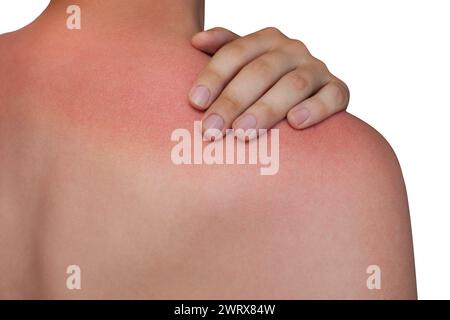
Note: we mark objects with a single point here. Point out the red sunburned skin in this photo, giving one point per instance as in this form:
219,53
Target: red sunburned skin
137,93
87,178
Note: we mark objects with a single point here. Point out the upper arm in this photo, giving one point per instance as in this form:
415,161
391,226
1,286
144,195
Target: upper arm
378,216
348,214
372,201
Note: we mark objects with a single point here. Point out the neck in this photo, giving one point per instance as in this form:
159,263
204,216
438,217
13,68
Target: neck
179,17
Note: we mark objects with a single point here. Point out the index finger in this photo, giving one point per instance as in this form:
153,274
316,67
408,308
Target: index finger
227,62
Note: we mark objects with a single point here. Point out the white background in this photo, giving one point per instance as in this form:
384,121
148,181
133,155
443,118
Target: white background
394,55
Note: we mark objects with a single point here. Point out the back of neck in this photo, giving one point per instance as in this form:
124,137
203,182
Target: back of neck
115,17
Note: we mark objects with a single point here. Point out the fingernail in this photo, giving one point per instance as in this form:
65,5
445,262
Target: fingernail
300,116
214,121
200,96
245,128
247,122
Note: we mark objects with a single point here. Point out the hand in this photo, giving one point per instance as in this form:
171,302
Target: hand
253,82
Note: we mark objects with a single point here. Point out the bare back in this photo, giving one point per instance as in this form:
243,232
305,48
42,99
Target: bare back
87,179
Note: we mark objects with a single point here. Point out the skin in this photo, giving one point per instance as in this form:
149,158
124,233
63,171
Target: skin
87,179
286,81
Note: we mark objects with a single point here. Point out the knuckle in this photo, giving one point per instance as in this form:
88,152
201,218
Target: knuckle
272,31
297,50
296,45
271,113
321,109
262,67
298,81
342,93
320,65
211,75
233,50
229,104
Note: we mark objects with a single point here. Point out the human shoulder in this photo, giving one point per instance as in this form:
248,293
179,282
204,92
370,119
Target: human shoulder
346,195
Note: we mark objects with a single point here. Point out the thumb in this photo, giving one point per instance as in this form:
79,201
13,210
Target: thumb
212,40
